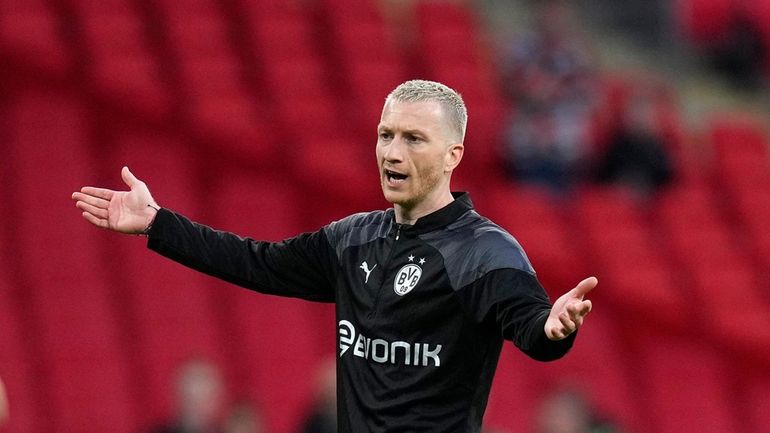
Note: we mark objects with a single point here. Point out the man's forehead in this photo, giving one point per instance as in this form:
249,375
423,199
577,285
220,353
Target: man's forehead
412,115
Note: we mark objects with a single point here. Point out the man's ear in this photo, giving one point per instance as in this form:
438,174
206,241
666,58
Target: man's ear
454,154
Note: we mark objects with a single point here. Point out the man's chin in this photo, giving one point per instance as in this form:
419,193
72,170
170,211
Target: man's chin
395,197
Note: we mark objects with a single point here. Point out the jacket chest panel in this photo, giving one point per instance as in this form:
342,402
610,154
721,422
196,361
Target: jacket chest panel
393,280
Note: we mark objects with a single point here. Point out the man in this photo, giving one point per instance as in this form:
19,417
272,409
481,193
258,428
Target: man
199,399
425,292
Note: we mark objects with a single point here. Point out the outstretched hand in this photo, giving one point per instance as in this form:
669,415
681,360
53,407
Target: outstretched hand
569,311
121,211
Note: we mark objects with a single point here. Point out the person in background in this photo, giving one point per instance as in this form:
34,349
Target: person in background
243,417
740,55
637,155
567,411
551,82
323,418
199,399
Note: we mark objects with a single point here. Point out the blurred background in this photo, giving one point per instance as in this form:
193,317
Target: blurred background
626,140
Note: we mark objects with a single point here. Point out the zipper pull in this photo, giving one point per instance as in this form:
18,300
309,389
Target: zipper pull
398,231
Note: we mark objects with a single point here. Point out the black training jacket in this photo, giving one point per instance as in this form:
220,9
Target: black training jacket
422,310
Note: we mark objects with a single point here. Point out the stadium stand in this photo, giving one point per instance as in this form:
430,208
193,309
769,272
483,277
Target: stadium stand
120,62
258,117
69,297
666,368
29,35
170,314
15,366
296,344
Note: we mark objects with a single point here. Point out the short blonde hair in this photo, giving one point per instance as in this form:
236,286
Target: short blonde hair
424,90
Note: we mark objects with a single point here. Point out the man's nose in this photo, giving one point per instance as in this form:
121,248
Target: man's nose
394,151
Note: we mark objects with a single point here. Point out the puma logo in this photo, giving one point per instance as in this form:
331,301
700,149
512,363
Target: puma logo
366,269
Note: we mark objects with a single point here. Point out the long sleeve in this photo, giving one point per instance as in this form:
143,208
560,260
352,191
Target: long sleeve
513,302
302,267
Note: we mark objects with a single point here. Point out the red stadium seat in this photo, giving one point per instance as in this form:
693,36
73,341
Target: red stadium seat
752,208
172,309
70,287
15,361
370,83
697,233
532,216
756,399
742,152
597,366
731,298
600,366
29,32
282,37
688,206
299,78
198,36
621,243
190,8
269,331
684,386
121,66
705,21
739,134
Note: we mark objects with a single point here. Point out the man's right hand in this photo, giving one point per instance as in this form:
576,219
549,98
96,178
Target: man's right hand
121,211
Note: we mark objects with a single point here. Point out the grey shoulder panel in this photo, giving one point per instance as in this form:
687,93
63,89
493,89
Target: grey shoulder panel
357,229
473,246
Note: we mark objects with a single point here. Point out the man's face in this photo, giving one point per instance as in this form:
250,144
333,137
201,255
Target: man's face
412,145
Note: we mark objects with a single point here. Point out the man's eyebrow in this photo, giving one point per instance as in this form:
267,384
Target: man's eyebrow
414,132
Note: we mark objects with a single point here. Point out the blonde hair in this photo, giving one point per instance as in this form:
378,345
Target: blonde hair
422,90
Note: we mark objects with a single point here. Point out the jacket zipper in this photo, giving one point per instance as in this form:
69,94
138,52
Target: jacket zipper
376,305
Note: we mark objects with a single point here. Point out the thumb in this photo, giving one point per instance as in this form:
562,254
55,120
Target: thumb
129,177
584,287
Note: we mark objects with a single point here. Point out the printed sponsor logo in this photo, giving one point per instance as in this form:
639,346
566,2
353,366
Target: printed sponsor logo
384,352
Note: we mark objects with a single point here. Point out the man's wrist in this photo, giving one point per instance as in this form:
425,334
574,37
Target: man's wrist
153,209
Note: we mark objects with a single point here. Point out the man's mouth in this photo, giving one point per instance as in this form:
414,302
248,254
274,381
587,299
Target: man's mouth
394,176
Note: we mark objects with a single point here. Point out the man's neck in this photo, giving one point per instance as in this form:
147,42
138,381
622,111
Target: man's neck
410,215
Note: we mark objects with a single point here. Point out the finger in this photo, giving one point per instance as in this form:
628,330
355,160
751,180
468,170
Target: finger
569,325
96,211
98,192
557,334
578,309
99,222
586,307
129,178
92,200
585,286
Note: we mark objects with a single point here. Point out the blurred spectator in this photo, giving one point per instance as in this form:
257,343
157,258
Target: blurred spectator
244,417
3,404
566,411
550,78
323,418
740,54
199,396
637,155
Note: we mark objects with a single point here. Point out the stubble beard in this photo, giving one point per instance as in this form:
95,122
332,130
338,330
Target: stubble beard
429,180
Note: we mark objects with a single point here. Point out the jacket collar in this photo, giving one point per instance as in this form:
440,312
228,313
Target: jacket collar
440,218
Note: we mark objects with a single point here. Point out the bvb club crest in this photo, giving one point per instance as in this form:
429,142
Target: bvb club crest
407,278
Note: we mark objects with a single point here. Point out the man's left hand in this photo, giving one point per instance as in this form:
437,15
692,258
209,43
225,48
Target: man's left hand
569,311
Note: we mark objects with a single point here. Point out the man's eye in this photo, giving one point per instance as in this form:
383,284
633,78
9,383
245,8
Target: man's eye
386,135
